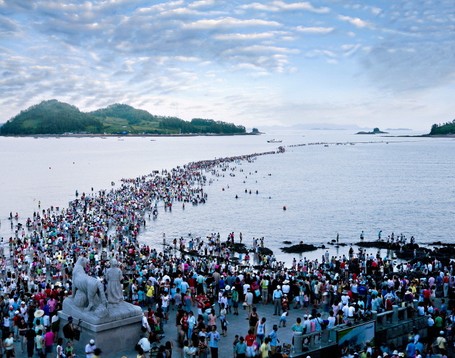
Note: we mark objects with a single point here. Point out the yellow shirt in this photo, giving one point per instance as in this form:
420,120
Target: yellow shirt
264,349
150,290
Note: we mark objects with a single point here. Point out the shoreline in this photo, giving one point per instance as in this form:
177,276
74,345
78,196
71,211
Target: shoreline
145,135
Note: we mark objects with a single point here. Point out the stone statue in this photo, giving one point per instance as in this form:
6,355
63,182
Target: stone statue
114,279
88,292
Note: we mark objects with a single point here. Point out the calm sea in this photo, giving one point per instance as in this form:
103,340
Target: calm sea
350,184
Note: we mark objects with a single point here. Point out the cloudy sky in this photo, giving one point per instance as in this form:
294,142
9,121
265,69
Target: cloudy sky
367,63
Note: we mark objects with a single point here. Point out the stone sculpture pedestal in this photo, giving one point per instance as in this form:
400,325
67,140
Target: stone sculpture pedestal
119,330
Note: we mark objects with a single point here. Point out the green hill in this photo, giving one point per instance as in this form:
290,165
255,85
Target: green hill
443,129
51,117
54,117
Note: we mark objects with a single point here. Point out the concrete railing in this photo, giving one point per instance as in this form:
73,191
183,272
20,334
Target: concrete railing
312,341
396,315
401,319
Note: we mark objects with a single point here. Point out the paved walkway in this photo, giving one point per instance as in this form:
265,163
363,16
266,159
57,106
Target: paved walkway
237,325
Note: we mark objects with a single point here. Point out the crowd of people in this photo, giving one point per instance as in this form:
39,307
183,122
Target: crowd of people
205,290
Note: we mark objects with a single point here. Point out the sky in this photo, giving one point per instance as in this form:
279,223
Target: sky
386,64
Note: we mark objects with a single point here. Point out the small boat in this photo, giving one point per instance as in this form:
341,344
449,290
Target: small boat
274,141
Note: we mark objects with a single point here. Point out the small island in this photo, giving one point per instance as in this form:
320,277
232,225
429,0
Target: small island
445,129
54,118
374,131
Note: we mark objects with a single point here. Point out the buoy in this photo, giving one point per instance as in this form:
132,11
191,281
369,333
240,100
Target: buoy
284,207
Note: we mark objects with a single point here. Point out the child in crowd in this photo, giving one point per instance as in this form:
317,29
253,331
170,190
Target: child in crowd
283,319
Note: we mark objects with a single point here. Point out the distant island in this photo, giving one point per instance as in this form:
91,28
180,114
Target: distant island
57,118
447,128
375,131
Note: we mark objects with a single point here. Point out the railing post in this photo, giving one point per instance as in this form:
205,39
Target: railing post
298,344
395,318
405,312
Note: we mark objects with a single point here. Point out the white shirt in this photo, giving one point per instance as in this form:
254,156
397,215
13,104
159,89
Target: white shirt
331,320
145,344
89,350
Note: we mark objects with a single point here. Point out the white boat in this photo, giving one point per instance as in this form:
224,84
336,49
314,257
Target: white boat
274,141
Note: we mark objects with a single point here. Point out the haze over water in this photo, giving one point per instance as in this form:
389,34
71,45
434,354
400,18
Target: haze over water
400,185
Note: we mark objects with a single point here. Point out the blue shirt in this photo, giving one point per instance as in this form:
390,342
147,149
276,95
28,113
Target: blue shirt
274,338
240,348
214,337
277,294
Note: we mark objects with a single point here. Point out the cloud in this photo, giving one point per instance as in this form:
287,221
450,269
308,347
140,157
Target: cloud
248,36
315,30
201,3
357,22
276,6
227,23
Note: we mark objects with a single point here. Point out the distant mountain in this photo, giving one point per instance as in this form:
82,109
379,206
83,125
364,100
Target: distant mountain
53,118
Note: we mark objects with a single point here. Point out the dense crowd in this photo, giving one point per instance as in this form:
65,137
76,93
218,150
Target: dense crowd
205,289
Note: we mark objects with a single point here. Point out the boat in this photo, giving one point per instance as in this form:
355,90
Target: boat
274,141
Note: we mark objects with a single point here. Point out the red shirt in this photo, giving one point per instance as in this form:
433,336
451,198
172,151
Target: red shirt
250,339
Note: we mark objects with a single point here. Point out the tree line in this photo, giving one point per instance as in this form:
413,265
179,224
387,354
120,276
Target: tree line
441,129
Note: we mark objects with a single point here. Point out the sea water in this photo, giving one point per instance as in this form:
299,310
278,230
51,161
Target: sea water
328,182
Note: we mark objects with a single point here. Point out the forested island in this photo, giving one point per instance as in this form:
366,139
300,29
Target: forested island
374,131
443,129
57,118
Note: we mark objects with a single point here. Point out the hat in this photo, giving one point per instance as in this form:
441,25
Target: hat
285,282
278,287
92,342
227,288
395,352
17,312
22,303
232,288
39,313
401,354
441,333
305,316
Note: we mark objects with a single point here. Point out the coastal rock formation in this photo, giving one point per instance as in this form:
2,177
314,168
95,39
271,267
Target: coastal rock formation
296,249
